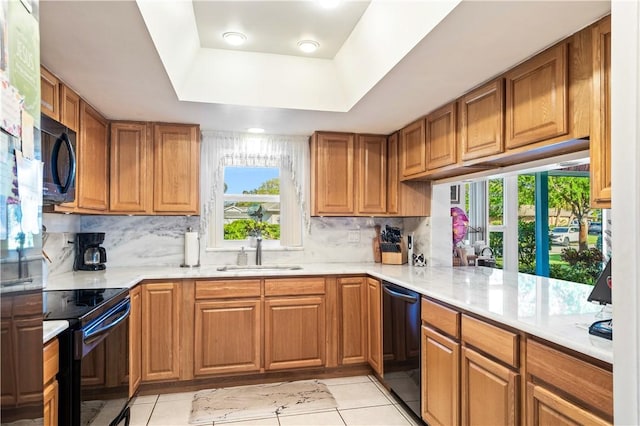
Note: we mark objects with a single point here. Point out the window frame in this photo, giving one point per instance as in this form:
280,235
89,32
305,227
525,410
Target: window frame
288,209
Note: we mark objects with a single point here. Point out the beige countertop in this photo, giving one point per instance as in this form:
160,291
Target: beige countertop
51,329
550,309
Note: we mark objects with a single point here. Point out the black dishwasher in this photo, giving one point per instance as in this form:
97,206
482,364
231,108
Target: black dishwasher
401,343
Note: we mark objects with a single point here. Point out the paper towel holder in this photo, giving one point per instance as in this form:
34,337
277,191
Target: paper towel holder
184,265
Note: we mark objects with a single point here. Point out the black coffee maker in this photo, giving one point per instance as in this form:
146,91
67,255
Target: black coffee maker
89,255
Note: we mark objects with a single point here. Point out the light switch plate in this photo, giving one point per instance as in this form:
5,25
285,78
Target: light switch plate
353,236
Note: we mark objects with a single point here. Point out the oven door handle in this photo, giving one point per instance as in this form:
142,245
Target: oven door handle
394,293
110,320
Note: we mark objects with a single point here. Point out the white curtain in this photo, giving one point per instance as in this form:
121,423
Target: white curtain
289,153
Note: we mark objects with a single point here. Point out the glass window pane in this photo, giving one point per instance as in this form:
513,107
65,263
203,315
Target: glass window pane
496,242
252,180
240,221
496,202
247,217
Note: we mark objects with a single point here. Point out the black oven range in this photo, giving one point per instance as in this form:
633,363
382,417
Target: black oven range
94,355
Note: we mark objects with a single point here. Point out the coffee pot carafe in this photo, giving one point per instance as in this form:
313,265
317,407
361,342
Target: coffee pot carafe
89,255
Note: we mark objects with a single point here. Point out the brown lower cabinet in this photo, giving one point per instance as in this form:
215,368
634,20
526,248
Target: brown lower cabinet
50,359
440,360
227,336
489,391
545,407
565,389
352,308
206,328
161,331
374,325
294,332
475,372
135,340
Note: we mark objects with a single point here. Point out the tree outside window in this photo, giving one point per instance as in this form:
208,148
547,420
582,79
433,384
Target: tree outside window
577,257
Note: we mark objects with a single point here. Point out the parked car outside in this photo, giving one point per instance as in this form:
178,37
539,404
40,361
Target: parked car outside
564,235
595,228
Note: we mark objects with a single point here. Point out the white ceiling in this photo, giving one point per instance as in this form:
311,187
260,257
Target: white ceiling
277,26
104,50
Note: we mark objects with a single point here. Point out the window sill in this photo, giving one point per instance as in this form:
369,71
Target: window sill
251,249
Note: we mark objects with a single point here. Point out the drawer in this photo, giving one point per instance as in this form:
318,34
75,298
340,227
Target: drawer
225,289
50,361
586,382
293,286
495,341
441,317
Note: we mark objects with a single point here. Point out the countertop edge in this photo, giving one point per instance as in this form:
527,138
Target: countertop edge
51,329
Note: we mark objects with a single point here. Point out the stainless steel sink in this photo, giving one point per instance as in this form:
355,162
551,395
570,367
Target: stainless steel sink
260,268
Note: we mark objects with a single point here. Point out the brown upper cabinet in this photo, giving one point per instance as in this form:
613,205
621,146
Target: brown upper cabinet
600,143
441,137
537,98
92,178
58,101
176,172
404,198
131,168
49,94
371,174
136,168
539,109
358,175
154,168
332,174
69,108
482,121
413,149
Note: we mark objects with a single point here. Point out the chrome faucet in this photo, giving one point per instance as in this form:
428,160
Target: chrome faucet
259,249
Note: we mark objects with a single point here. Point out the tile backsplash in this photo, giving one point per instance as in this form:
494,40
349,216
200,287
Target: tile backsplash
159,240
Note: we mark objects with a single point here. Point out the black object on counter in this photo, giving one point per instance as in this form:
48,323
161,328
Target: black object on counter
602,328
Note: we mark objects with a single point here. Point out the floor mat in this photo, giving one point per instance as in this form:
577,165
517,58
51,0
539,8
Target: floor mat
256,401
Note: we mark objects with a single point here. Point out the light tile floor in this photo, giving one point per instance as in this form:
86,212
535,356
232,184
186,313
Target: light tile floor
361,400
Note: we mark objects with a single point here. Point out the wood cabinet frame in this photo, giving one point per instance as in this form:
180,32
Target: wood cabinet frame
600,141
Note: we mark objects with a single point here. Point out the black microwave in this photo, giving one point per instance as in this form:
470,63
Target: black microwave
59,158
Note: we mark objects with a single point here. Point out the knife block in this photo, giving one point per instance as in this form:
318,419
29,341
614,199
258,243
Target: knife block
395,257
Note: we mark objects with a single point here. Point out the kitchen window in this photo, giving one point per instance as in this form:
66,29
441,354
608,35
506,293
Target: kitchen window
249,179
522,208
251,203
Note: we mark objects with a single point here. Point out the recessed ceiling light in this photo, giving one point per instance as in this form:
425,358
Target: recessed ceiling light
308,46
329,4
255,130
234,38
